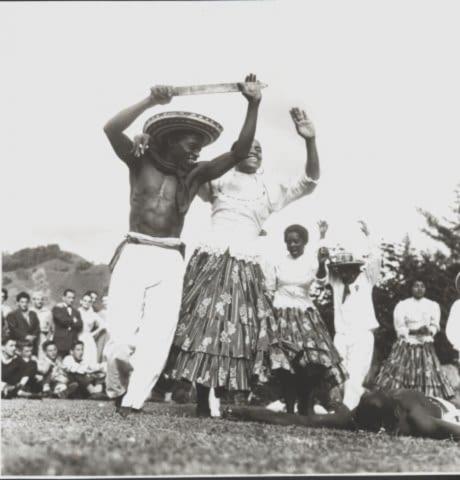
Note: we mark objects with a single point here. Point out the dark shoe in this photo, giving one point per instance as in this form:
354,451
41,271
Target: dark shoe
117,401
23,394
29,395
98,396
124,411
203,412
156,397
71,389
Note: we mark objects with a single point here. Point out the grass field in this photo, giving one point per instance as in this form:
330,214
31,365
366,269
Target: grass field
62,437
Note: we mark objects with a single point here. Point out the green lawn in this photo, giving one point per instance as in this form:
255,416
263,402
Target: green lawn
63,437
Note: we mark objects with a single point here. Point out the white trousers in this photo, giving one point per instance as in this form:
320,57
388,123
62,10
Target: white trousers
356,349
143,310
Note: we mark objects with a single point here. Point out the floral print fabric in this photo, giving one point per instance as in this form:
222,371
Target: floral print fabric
414,367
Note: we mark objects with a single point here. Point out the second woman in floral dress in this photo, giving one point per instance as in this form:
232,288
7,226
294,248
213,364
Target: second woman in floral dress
314,363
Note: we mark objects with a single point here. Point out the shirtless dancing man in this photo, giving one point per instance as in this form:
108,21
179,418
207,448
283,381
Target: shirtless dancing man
398,412
148,268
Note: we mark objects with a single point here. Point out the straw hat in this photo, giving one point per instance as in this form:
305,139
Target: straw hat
165,123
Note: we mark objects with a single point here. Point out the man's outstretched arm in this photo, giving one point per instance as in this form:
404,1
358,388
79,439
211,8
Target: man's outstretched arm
208,171
114,128
341,420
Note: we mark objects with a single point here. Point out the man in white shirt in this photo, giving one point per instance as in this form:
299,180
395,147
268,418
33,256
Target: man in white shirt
453,322
354,315
90,378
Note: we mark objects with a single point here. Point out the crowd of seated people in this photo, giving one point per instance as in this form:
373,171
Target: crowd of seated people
44,352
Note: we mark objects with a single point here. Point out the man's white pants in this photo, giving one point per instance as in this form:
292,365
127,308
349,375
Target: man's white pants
144,302
356,349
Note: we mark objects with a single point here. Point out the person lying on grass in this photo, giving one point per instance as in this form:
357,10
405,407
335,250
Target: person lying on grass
398,412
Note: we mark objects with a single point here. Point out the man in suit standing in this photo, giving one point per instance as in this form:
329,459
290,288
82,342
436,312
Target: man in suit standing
67,323
23,323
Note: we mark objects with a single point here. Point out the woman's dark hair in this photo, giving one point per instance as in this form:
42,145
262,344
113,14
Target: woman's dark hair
301,231
22,295
5,292
412,281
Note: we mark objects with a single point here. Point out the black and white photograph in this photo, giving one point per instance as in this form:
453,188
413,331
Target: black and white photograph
230,238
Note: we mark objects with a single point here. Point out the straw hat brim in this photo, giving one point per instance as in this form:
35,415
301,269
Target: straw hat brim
347,264
165,123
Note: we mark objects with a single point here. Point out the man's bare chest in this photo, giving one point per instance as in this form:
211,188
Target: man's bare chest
151,184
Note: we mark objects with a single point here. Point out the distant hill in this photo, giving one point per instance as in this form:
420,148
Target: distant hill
51,270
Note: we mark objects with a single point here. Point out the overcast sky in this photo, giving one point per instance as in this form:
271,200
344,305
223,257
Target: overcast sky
379,79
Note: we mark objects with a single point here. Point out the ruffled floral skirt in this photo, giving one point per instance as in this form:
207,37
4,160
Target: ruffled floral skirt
221,339
414,367
301,335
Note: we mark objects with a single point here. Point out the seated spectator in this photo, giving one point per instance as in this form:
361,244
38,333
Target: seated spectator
11,368
30,385
90,378
55,379
23,323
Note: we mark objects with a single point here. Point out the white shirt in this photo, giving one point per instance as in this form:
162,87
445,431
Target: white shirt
412,314
453,325
6,310
292,279
70,365
90,319
357,312
242,202
45,318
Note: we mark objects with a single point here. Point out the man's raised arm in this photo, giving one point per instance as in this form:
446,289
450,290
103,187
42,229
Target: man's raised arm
207,171
114,128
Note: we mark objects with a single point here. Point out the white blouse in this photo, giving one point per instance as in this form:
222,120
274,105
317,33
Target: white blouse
90,319
292,280
412,314
242,202
453,325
